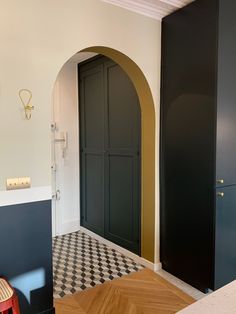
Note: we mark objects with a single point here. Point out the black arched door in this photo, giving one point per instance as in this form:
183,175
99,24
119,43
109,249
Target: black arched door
110,122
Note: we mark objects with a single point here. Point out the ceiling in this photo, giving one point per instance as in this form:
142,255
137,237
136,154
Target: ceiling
156,9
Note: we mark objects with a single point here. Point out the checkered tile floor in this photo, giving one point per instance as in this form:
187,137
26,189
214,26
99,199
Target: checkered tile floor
80,262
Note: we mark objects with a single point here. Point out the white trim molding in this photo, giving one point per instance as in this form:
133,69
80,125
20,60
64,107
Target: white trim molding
136,258
156,9
35,194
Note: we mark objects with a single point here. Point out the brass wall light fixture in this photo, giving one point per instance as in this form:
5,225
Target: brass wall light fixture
25,97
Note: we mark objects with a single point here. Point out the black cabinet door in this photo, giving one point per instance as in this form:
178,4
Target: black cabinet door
122,206
226,102
225,252
189,63
92,148
110,153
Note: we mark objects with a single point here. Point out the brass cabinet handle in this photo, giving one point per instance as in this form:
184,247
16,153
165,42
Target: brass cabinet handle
221,181
221,194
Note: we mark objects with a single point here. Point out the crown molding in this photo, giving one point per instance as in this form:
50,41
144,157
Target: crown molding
156,9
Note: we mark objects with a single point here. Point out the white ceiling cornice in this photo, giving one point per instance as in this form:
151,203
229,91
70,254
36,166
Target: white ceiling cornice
156,9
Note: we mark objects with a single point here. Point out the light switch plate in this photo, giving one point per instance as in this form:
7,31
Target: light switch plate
18,183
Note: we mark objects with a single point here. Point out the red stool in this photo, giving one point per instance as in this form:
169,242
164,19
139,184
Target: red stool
8,298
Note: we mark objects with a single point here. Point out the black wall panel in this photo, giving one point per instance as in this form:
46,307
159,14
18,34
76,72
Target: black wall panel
188,120
26,254
198,143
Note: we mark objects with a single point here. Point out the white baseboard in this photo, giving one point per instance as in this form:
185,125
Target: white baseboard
121,250
157,266
70,226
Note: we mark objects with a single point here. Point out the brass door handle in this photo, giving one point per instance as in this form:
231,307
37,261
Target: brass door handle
221,181
221,194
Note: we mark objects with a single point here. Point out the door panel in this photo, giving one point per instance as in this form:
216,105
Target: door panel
122,109
92,149
92,103
122,206
110,140
225,253
122,200
93,193
121,210
120,197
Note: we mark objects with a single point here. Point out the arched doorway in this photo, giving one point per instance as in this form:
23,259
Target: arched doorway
147,147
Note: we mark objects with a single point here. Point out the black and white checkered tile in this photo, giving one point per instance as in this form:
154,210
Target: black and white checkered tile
80,262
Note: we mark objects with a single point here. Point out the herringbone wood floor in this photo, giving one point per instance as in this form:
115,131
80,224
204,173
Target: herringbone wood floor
142,292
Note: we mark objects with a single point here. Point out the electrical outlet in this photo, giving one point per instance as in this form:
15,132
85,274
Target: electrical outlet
18,183
12,184
24,183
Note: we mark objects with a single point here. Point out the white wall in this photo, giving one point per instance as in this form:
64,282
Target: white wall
65,114
37,37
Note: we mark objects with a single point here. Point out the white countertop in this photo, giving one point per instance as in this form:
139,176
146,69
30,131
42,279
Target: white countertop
222,301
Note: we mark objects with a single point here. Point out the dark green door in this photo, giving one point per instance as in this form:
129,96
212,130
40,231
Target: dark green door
92,147
110,153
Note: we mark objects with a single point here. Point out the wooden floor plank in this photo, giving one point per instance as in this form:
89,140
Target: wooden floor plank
143,292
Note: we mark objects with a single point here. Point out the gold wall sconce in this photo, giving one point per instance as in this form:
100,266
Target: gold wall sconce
25,97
